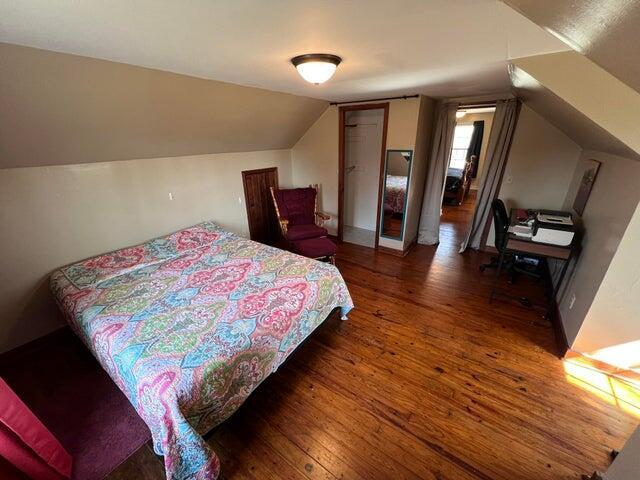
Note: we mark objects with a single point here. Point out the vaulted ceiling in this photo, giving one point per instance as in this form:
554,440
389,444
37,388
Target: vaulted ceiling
65,109
605,31
435,47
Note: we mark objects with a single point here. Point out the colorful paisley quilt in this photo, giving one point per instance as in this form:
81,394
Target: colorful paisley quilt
188,325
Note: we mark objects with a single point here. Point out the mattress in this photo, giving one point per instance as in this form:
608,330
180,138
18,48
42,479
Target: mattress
188,325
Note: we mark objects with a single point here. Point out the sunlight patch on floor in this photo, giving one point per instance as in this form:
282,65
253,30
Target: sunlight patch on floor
611,385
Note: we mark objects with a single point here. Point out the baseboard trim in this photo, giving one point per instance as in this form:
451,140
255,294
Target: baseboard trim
410,247
399,253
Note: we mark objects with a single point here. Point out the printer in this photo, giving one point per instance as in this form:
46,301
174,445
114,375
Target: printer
553,227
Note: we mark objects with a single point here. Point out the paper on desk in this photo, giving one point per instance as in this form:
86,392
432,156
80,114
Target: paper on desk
521,230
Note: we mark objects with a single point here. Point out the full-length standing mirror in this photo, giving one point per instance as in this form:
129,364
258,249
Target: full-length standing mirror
396,184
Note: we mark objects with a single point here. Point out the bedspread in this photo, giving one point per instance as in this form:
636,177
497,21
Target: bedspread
188,325
395,192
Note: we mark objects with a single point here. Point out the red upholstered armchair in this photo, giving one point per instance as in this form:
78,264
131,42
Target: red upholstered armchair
298,215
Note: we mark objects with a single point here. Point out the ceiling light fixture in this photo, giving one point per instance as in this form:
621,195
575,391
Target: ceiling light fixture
460,113
316,68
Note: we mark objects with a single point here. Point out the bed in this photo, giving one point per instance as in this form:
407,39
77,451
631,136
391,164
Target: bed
188,325
395,193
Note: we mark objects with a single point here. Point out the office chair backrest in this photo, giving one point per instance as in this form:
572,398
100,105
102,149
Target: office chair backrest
500,223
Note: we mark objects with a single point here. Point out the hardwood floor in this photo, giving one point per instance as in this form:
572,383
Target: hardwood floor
426,380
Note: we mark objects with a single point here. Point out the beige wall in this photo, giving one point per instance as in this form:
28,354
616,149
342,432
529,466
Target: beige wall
66,109
401,135
314,159
611,204
315,156
626,465
53,216
396,164
540,168
613,318
403,121
487,118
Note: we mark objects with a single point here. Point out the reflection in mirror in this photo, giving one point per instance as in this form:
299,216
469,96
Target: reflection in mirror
396,183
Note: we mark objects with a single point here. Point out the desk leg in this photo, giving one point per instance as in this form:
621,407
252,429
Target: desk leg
497,277
555,288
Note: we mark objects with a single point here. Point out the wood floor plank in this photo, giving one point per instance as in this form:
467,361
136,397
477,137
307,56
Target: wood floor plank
425,380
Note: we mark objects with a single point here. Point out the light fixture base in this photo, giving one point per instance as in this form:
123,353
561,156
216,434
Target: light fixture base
316,57
316,68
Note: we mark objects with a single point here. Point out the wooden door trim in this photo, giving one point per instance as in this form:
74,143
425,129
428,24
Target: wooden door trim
341,161
247,173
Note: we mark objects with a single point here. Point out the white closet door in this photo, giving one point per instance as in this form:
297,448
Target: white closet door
362,170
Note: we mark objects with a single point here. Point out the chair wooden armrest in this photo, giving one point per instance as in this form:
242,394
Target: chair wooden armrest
322,217
284,225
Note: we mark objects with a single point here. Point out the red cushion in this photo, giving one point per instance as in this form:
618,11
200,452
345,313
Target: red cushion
301,232
297,205
315,247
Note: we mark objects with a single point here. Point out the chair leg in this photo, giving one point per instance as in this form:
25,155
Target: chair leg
492,264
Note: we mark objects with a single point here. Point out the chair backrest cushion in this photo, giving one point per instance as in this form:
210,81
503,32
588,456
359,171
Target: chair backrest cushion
297,205
500,222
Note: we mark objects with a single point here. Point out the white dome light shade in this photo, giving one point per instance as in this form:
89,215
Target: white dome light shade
316,72
460,113
316,68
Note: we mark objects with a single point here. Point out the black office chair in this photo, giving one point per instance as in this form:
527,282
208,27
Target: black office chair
513,264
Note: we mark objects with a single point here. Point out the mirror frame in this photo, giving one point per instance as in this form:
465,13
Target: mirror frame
406,195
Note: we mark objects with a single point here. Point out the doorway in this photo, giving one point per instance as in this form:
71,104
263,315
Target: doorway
362,146
261,215
464,173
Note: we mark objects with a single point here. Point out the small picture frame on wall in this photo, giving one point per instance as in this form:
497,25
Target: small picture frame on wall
586,184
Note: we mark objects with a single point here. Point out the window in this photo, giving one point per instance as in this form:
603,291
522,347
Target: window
461,140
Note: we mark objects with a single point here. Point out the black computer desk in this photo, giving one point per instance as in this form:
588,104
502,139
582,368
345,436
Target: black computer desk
527,247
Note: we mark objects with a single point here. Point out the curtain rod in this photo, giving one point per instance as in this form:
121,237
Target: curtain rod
478,104
403,97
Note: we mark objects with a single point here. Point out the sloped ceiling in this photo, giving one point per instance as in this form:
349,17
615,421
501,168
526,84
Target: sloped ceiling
440,48
599,96
606,31
576,125
66,109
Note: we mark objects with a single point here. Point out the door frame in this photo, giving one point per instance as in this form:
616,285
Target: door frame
245,174
341,161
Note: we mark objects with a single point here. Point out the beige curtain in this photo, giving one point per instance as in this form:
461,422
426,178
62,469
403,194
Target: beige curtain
502,129
429,230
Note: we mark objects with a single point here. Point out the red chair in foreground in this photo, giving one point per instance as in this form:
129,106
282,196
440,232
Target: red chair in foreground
301,222
27,448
